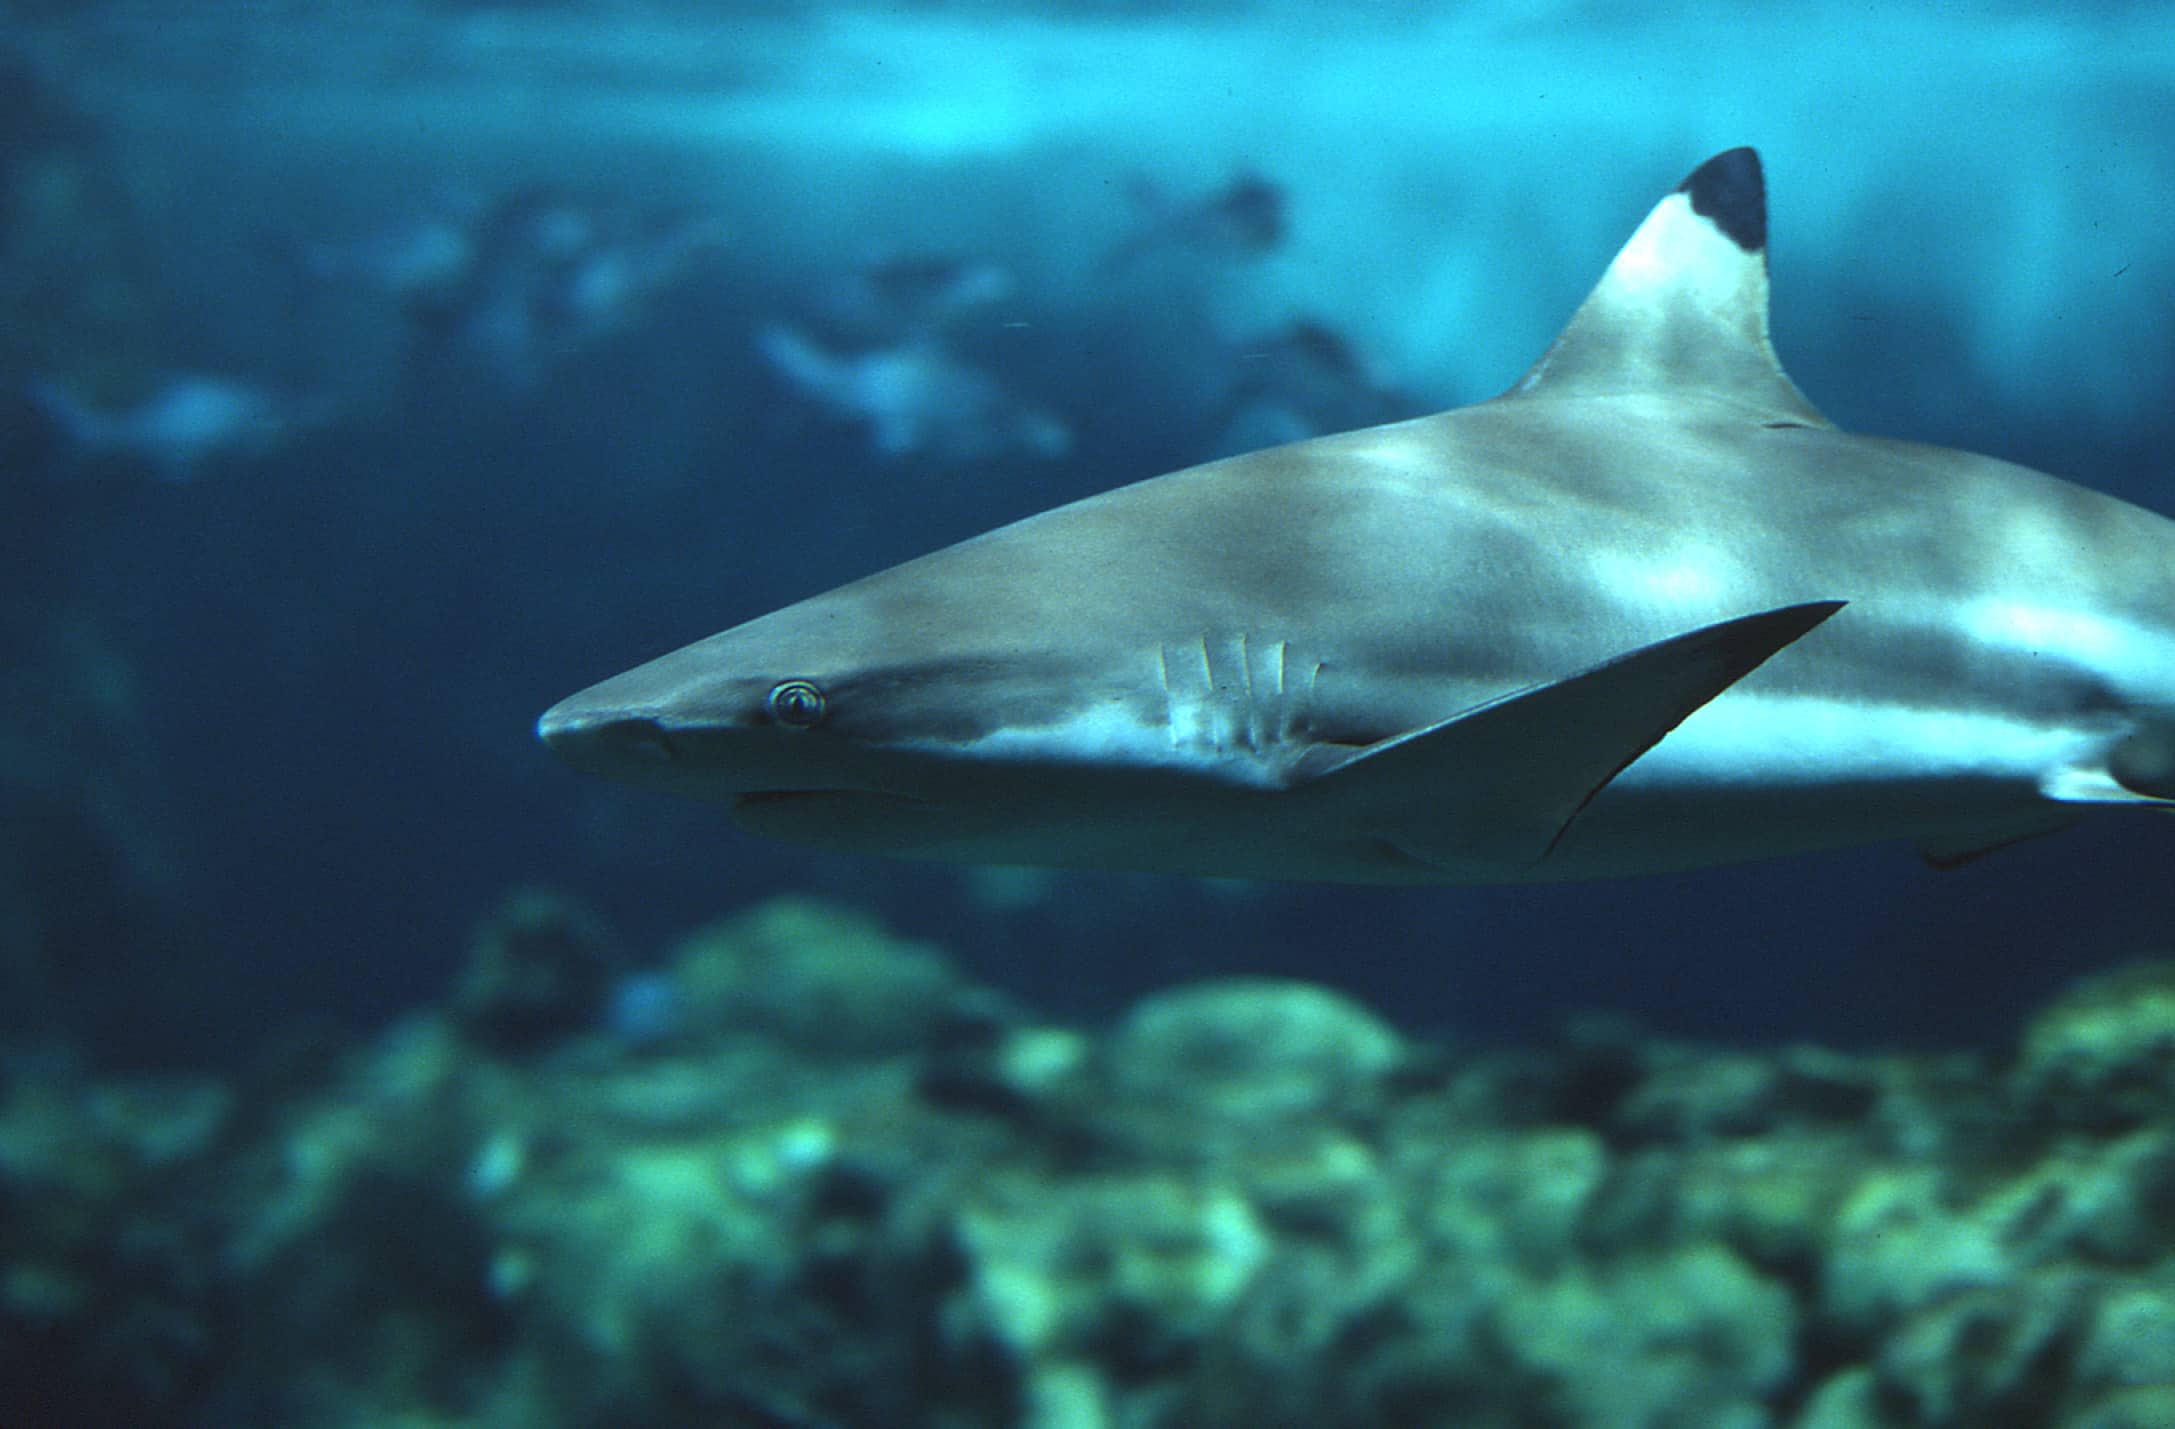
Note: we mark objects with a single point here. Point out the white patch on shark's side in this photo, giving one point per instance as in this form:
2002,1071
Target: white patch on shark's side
1686,573
1108,735
1233,708
2078,636
1770,739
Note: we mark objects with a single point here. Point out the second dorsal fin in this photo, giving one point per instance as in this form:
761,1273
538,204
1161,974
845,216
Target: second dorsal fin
1683,308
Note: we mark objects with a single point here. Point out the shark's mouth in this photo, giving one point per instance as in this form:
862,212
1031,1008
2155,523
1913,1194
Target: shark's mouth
799,808
761,797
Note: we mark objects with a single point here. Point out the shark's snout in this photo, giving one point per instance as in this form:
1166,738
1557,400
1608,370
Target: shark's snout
605,741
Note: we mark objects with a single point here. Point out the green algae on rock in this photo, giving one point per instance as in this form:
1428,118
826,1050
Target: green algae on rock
1254,1050
852,1189
539,970
2102,1056
822,978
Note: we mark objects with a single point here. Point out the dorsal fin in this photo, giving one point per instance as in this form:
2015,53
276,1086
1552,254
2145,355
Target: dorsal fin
1684,306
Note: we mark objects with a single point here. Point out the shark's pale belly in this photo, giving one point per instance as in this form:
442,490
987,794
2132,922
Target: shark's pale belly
1753,776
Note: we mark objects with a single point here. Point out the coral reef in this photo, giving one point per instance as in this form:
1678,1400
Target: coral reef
540,968
840,1186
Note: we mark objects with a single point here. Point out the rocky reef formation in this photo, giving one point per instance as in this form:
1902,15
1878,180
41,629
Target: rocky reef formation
806,1176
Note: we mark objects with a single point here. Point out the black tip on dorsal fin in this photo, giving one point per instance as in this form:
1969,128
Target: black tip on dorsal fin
1682,310
1729,192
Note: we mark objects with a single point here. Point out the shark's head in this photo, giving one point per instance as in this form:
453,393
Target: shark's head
926,710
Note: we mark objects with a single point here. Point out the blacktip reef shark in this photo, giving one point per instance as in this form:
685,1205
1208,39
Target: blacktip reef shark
1647,610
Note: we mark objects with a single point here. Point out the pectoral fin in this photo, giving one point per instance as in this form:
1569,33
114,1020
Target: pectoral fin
1505,780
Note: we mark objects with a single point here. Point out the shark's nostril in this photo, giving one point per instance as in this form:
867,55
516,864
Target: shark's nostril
642,738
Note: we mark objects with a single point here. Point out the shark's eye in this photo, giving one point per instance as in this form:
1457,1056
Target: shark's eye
796,704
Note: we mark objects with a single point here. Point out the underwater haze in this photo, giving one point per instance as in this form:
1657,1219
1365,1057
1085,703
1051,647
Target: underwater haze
374,376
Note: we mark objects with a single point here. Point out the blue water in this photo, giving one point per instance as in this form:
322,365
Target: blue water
332,656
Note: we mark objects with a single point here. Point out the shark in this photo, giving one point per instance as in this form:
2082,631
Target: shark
1647,610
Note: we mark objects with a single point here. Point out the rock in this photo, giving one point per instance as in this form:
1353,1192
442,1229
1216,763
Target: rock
818,977
2102,1057
2145,1407
1991,1356
1907,1238
1900,1244
541,968
1250,1051
1067,1396
1693,1336
1771,1199
1515,1199
1682,1095
109,1303
1685,1097
840,1187
1135,1269
1847,1399
1017,1075
2129,1343
2111,1202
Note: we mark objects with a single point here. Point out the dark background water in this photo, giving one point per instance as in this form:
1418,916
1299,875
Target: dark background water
328,662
